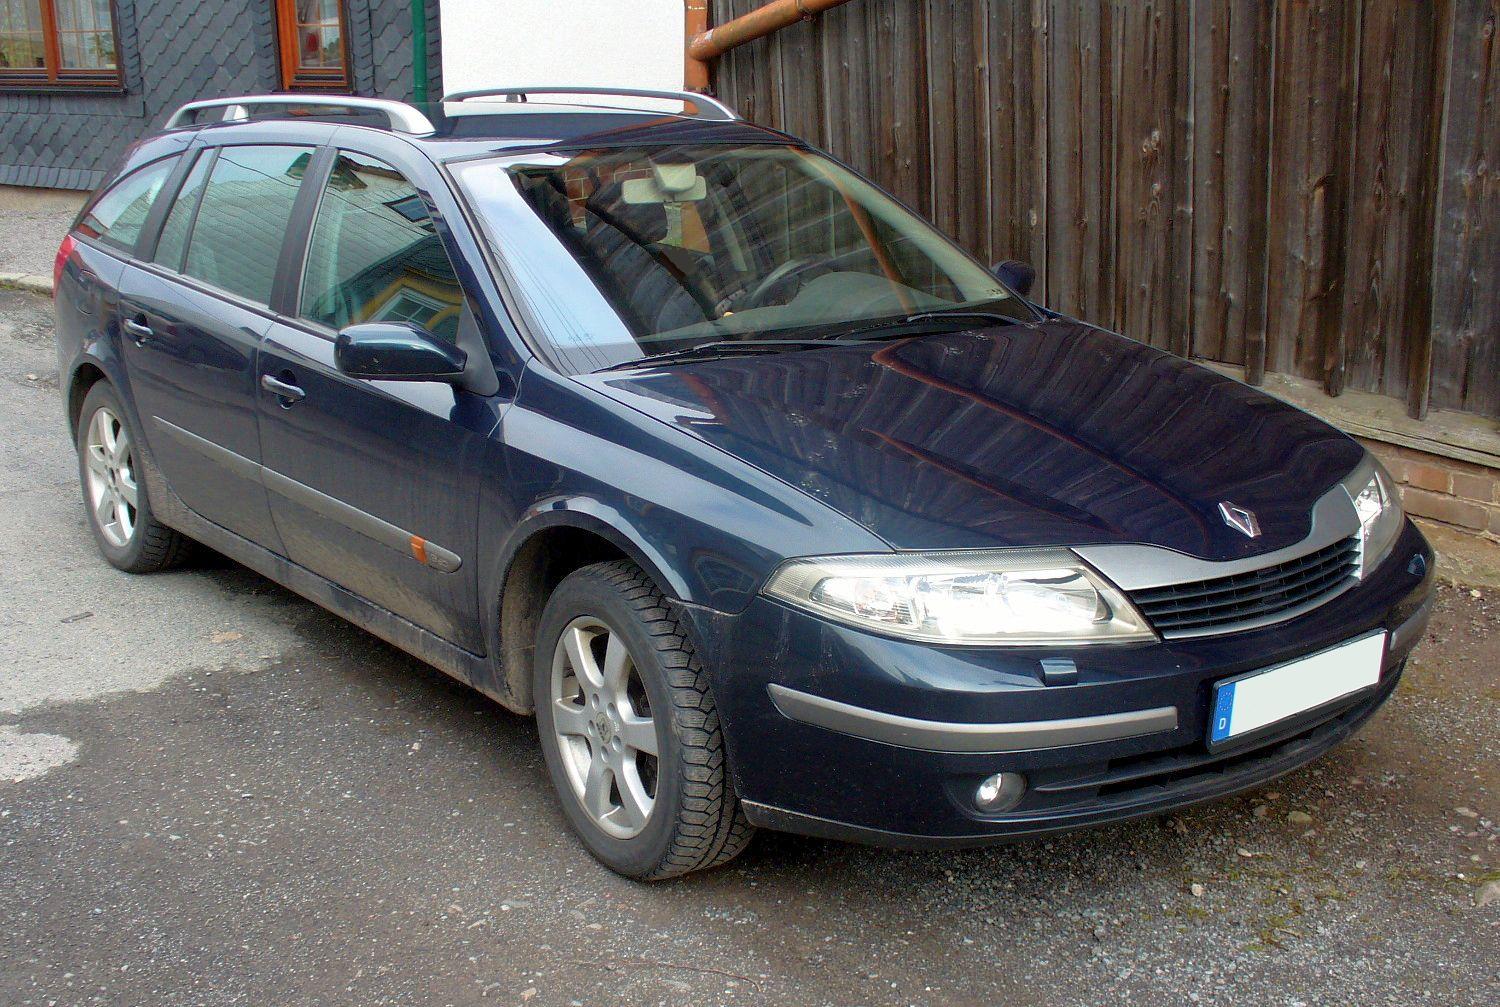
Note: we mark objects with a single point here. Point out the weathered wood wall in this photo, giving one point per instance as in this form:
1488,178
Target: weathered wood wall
1305,186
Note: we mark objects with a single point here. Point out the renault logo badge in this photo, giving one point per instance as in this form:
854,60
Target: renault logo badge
1239,518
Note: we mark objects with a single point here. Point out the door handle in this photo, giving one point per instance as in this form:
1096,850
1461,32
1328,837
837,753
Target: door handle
137,329
288,393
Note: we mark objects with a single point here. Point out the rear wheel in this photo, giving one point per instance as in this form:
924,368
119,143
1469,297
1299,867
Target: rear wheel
629,728
114,495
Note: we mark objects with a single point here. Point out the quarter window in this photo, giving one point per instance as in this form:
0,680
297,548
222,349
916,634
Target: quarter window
242,219
311,34
49,43
117,216
172,244
375,254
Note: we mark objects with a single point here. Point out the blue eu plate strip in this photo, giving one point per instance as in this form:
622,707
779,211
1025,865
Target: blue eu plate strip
1223,712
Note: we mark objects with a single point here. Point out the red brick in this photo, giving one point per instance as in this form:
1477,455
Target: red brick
1428,477
1399,468
1471,487
1495,520
1449,510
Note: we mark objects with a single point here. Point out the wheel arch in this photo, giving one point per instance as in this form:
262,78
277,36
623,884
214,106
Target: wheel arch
85,376
551,541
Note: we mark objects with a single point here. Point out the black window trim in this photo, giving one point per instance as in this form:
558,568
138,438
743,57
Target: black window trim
147,251
144,253
286,288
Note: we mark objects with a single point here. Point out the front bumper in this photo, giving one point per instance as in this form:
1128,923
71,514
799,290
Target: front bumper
839,733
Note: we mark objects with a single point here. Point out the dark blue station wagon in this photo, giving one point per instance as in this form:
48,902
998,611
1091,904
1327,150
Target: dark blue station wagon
773,505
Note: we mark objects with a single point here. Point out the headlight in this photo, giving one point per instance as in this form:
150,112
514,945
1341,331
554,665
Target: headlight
975,598
1379,510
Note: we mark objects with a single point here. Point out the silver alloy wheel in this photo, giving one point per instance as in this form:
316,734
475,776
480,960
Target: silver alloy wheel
110,469
603,726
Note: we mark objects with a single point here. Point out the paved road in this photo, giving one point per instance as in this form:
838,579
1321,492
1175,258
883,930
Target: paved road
226,796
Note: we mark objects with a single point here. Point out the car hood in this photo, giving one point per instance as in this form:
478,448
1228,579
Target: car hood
1050,434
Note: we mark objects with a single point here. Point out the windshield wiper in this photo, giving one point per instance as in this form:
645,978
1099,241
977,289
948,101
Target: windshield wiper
940,315
716,350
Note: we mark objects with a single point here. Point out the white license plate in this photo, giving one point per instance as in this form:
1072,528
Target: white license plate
1260,698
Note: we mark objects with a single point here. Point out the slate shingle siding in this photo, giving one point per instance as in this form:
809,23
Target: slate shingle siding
175,51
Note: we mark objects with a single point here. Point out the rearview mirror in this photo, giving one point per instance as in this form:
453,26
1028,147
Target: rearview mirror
396,351
1015,274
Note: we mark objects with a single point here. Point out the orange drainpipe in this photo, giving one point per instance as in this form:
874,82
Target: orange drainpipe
705,44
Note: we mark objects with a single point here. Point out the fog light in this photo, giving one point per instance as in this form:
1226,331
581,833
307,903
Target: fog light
1000,792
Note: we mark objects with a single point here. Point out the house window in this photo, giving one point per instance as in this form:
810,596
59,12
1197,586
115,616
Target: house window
51,43
312,45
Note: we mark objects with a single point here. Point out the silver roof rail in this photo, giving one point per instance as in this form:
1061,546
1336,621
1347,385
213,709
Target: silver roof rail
708,108
402,117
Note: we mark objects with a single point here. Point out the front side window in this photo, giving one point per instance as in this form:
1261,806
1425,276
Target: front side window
311,35
636,251
117,216
236,236
375,255
47,43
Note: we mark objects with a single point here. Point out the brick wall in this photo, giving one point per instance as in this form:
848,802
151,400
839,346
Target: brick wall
1442,489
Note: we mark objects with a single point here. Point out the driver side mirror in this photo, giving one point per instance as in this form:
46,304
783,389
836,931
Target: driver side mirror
1015,274
397,351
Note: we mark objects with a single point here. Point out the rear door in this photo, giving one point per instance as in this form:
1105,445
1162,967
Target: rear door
192,323
374,484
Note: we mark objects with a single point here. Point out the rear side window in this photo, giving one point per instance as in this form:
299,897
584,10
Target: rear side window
241,223
116,217
172,244
375,254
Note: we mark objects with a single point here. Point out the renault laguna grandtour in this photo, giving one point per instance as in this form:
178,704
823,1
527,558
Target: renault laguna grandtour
774,506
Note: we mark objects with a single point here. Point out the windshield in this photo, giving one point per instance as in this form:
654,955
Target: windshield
623,253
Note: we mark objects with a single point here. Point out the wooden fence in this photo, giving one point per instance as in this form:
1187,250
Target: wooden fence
1304,186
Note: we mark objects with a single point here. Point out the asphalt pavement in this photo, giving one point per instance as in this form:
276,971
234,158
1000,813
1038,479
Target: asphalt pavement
213,792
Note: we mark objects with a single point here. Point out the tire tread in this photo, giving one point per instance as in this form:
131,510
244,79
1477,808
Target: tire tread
711,828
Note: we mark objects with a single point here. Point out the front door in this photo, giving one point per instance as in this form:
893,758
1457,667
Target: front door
373,484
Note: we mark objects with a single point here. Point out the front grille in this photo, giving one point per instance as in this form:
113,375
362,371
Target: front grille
1245,600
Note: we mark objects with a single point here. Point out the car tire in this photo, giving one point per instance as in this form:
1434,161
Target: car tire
594,733
109,454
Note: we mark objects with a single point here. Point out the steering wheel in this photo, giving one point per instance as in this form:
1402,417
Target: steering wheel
793,269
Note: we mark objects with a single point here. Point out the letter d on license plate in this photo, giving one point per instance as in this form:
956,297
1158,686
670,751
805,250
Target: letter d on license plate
1261,698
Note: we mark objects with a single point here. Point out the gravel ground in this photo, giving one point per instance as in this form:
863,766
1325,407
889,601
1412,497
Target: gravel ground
32,223
212,792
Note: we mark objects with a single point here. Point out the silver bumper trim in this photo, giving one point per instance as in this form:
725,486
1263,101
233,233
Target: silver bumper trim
938,736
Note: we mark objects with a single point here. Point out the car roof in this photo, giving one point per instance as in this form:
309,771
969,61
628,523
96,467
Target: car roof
474,128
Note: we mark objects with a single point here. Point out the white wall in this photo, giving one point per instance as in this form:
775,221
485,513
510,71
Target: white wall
512,43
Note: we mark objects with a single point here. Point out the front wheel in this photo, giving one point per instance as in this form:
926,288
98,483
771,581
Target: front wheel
629,728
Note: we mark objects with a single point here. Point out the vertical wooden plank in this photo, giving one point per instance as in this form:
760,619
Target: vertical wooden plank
1390,191
1304,200
754,71
1017,111
1331,334
1419,320
1179,338
1258,248
1150,182
897,49
955,63
1465,331
848,81
1231,97
800,71
1080,158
